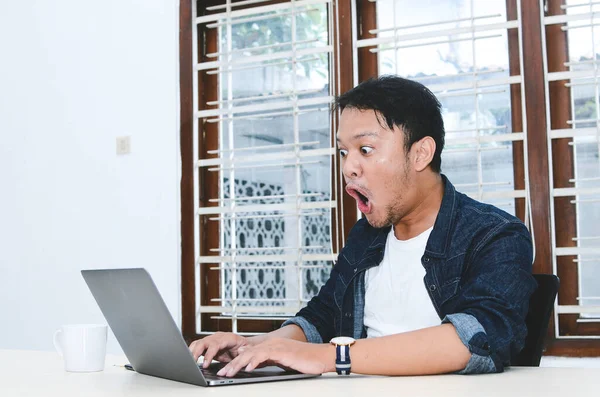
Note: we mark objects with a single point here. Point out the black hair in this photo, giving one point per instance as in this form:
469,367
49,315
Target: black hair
403,103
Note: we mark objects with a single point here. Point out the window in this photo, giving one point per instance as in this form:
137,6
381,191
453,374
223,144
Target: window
461,53
262,216
573,136
263,234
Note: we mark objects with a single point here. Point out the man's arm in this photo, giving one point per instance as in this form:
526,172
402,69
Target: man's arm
316,318
291,331
434,350
312,324
490,309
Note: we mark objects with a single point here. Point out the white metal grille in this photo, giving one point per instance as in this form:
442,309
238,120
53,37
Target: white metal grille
580,21
274,158
460,52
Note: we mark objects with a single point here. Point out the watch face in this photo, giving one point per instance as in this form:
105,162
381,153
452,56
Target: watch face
343,340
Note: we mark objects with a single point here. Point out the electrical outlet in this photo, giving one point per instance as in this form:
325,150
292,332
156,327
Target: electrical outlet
123,145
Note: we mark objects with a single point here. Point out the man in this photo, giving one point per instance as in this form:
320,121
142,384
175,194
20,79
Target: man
429,282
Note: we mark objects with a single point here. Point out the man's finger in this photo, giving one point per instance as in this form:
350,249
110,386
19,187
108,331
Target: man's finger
210,353
197,348
234,366
253,364
242,361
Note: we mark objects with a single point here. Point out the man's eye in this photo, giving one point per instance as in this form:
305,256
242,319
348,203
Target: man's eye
343,153
366,149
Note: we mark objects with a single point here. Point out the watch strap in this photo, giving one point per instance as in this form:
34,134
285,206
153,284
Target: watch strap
342,359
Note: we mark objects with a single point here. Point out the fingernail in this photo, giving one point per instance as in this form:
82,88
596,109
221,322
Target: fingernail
221,372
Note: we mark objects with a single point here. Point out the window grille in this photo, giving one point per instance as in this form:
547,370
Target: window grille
580,21
274,158
461,52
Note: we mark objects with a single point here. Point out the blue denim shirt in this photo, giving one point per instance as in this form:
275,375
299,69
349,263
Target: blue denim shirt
478,262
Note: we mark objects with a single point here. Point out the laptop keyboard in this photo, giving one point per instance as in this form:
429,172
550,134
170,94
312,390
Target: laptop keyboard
211,373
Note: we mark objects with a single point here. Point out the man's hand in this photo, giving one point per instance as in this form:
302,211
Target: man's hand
221,346
304,357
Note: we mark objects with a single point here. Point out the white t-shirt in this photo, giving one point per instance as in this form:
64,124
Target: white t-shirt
396,299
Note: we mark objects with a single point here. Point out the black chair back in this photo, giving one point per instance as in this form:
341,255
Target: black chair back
538,317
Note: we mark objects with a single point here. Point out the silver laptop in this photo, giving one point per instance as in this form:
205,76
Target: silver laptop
150,338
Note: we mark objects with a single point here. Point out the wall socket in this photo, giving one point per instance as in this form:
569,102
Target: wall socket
123,145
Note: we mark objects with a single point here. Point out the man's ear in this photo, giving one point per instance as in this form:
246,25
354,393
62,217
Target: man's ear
424,152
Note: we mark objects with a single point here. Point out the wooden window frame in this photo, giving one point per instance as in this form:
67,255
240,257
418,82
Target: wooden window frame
565,215
207,89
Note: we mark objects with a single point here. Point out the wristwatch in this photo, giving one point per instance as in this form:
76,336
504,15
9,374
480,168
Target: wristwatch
342,354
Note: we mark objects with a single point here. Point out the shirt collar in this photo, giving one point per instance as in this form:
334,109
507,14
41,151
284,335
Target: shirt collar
437,245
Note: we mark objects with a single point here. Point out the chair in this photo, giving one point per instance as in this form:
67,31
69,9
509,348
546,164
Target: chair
541,304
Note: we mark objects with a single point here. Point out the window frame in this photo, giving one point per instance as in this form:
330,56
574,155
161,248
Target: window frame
208,182
564,213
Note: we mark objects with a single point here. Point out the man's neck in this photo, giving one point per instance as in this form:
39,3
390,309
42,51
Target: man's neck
424,214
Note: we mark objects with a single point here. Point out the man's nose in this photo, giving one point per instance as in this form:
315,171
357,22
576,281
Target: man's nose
351,167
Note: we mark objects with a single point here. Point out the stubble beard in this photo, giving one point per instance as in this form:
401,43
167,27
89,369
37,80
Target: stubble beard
395,211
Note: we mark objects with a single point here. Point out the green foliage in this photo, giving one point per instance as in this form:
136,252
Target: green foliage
585,110
276,29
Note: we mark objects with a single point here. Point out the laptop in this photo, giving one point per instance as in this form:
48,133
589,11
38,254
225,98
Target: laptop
149,336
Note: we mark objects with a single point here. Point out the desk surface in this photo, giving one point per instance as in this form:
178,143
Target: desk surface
33,373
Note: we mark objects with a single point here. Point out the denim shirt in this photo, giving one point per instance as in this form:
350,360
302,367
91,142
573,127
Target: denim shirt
478,262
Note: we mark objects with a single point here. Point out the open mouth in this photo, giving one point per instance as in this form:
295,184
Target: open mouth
361,197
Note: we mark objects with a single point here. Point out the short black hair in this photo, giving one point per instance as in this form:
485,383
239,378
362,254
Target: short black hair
403,103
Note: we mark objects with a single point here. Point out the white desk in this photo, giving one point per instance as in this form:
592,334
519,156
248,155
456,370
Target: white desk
32,373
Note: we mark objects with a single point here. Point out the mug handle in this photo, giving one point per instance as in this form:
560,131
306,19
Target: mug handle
57,342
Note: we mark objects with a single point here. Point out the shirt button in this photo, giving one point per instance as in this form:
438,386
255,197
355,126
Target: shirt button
355,270
432,287
426,259
348,314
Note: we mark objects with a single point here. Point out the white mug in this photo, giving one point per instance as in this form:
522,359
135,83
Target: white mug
82,346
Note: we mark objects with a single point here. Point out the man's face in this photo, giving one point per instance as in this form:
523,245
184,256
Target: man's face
376,168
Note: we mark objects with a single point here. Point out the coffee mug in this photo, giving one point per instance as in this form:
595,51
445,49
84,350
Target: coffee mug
82,346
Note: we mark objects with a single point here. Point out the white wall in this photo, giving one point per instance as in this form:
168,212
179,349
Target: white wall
74,75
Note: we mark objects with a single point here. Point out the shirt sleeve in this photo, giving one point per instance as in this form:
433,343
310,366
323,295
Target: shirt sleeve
472,335
310,331
316,318
494,299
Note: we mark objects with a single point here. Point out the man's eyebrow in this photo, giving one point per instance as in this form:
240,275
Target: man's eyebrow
359,135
